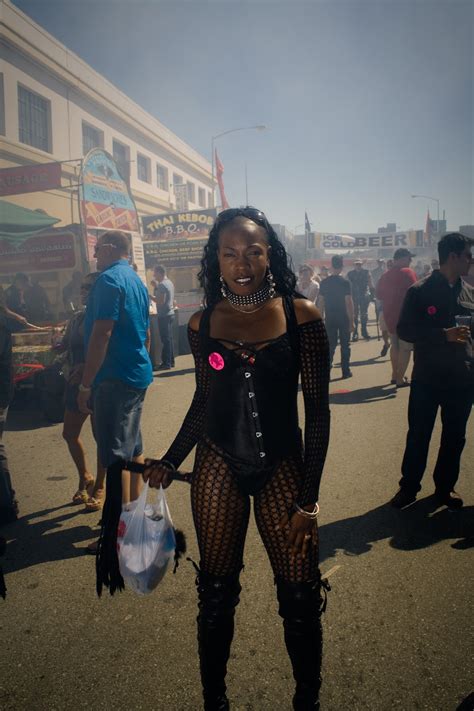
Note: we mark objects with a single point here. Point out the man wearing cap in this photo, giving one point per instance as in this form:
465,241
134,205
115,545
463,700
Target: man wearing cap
362,290
391,290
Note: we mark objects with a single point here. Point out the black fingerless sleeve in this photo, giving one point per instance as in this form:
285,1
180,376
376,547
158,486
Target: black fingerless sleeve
314,364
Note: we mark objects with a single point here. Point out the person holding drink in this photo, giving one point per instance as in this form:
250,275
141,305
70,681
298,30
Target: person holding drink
437,317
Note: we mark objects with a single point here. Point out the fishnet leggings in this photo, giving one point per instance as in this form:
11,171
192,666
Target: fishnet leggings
221,512
221,516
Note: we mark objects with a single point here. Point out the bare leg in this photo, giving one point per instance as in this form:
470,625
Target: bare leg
73,422
394,359
132,484
402,364
386,338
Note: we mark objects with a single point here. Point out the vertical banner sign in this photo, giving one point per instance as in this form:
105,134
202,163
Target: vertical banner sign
181,195
106,204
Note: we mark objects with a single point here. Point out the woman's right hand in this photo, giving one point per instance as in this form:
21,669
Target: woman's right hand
157,473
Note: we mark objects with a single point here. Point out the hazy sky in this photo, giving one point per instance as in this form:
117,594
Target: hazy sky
366,101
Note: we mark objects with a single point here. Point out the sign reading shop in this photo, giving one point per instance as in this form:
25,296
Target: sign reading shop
194,224
365,241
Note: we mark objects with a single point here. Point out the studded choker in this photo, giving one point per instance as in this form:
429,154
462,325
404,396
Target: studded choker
266,292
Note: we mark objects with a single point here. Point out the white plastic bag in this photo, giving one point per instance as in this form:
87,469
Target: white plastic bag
145,542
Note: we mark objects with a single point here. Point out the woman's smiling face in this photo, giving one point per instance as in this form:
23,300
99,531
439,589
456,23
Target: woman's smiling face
244,255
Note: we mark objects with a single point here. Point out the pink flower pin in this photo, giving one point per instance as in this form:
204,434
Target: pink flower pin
216,361
432,310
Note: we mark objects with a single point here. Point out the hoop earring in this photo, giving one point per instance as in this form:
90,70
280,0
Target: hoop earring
271,283
223,287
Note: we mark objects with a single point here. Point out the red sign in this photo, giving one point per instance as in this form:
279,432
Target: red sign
107,217
30,178
46,252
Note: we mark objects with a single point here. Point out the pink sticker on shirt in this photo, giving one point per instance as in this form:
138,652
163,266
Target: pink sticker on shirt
432,310
216,361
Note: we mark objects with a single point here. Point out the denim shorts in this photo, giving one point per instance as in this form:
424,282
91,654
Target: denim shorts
117,411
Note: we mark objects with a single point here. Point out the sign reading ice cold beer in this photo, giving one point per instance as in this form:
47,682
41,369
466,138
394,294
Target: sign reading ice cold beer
365,241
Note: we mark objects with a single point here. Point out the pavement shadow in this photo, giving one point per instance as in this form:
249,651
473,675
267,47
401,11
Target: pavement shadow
31,542
420,526
172,372
368,361
376,393
20,420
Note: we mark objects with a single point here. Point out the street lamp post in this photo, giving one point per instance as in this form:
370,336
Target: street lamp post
224,133
436,200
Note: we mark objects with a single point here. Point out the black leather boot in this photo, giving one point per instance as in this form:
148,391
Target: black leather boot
300,606
218,598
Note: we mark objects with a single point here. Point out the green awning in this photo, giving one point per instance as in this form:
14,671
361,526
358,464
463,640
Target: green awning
18,223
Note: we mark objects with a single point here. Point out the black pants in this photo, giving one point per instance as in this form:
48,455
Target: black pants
338,329
165,327
361,306
8,505
455,404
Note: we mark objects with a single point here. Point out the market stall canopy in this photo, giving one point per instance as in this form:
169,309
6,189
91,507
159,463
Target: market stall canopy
18,223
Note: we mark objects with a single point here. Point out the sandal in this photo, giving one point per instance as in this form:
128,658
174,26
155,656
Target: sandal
82,495
95,502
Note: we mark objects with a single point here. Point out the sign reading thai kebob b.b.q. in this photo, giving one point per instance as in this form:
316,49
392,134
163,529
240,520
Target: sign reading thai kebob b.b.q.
192,224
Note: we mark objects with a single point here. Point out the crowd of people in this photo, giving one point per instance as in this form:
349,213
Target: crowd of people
259,333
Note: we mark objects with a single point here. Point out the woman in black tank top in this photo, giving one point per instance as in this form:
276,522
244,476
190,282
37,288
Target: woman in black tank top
251,344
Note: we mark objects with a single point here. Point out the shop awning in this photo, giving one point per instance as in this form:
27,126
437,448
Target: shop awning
18,223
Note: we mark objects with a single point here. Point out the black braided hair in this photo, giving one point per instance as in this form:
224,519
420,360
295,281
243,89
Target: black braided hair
280,261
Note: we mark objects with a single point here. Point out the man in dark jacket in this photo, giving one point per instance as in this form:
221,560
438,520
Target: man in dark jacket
443,372
8,504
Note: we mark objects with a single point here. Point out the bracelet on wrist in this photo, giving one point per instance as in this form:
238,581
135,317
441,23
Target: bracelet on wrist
83,389
307,514
168,464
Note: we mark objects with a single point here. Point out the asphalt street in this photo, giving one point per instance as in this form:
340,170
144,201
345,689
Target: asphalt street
398,627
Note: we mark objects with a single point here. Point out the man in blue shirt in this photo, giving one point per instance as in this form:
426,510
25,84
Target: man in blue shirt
116,375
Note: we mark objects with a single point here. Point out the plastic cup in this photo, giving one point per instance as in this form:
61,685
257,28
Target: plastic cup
463,320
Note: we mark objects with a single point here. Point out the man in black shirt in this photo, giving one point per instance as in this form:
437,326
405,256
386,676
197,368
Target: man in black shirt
362,291
335,302
443,372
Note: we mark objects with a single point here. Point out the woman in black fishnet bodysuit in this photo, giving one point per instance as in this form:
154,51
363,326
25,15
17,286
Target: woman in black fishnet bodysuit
250,345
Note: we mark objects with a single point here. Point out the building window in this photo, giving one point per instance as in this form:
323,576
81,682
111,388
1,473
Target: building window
143,168
162,177
201,197
91,138
177,179
34,118
191,191
121,155
210,200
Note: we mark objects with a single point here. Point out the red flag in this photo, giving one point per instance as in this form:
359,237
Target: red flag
220,182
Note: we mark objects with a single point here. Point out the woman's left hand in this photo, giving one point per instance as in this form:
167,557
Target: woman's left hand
302,532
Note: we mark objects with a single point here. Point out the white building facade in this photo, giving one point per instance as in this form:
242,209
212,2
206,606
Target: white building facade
54,107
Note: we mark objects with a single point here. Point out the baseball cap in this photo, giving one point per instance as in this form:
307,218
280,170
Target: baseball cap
357,261
402,252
